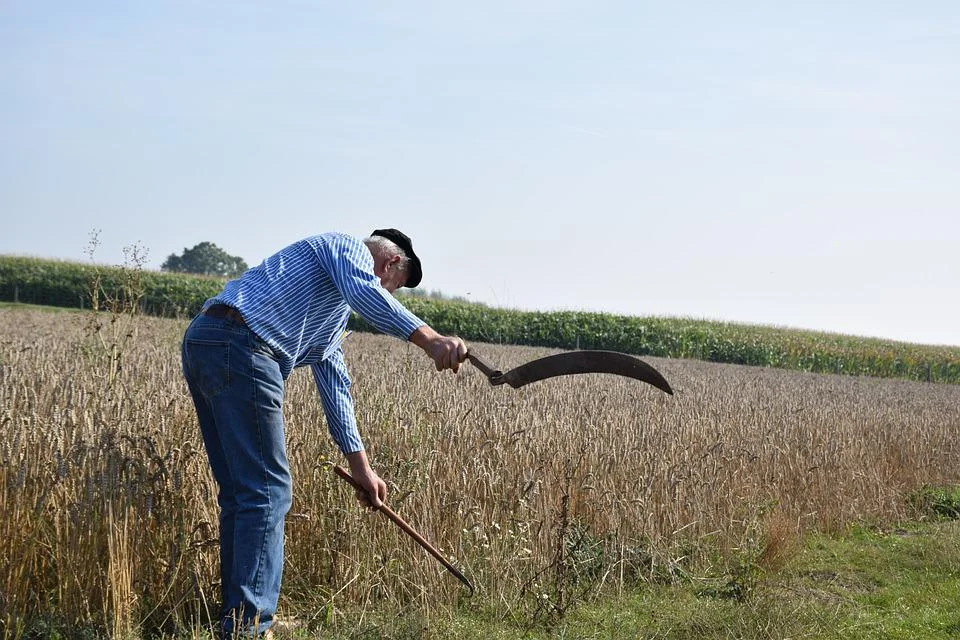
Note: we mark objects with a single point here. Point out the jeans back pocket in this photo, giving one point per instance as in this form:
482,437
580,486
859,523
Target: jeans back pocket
209,365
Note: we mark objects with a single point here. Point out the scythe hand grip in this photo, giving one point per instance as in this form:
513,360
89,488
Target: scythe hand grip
494,375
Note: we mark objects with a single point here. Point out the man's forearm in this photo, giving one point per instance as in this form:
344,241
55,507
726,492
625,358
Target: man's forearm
447,352
423,336
358,461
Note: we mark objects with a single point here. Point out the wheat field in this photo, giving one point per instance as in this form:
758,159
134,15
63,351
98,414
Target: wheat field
543,495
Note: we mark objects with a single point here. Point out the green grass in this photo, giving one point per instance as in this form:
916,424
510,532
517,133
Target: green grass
903,583
869,584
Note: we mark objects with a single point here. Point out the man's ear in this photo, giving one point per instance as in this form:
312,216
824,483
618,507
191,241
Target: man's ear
393,261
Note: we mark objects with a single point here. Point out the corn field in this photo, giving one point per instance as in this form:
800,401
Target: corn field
544,496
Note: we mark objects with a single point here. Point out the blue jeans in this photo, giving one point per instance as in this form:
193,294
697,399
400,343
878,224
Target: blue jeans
237,389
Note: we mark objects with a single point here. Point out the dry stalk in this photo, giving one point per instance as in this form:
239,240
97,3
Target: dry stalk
108,513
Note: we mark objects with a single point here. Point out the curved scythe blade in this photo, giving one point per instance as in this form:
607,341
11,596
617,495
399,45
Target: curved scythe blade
573,362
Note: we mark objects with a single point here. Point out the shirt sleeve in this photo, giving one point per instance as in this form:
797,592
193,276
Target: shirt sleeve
350,266
333,383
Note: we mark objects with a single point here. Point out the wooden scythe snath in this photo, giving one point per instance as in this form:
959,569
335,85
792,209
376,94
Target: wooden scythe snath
410,531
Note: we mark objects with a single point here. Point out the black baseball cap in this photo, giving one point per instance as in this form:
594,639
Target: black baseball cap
401,240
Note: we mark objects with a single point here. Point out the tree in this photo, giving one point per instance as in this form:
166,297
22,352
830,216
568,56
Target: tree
205,259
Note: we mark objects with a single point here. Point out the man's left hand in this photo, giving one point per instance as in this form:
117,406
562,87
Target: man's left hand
375,488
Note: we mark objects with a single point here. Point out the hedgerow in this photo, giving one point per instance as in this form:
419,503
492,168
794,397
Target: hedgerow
67,284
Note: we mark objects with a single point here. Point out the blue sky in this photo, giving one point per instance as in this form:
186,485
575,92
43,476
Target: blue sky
757,162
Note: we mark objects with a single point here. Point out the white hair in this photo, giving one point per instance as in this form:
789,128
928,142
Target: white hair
388,248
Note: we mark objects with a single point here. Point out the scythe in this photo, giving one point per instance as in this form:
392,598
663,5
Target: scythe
574,362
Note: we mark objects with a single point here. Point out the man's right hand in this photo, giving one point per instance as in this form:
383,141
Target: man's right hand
447,352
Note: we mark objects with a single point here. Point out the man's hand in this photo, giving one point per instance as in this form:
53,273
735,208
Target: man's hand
447,351
376,488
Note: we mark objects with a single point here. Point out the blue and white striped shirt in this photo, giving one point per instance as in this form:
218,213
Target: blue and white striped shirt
298,301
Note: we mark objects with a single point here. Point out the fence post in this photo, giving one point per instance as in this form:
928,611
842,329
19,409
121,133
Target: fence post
16,293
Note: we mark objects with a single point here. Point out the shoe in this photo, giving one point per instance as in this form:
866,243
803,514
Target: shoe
279,629
284,629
